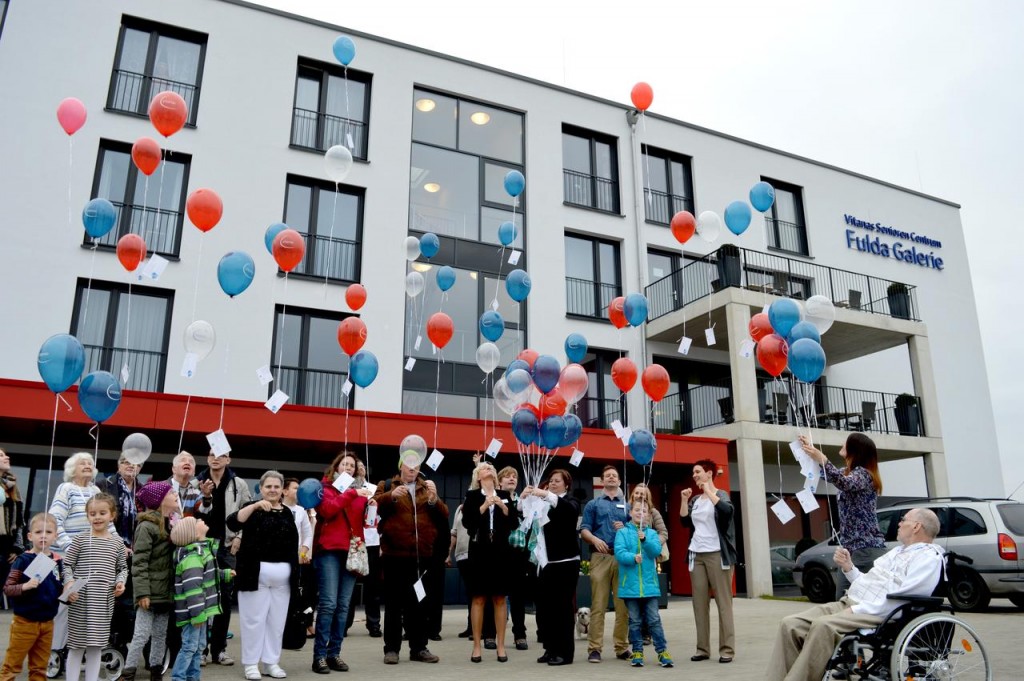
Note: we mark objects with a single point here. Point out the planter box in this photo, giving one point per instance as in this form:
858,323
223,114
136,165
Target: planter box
583,599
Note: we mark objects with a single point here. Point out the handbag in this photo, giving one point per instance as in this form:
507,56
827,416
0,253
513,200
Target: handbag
663,556
358,561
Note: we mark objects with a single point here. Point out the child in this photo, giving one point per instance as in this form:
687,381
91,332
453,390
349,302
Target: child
98,557
35,604
152,577
196,587
637,547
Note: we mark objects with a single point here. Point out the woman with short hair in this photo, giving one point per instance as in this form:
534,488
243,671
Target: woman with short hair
68,505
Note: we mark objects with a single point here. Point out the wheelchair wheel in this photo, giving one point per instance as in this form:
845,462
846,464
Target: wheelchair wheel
55,665
111,665
941,647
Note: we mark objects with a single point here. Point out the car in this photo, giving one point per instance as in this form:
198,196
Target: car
987,531
782,557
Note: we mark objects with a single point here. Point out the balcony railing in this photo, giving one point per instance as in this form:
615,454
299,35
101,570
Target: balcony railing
160,229
589,298
132,92
311,387
145,368
598,413
592,191
321,131
662,206
786,236
332,258
781,276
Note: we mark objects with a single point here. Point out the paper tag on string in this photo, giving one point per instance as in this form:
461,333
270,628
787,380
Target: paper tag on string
41,567
153,268
684,345
747,348
370,486
218,443
410,363
371,535
188,367
276,401
709,334
576,458
421,593
782,511
616,427
807,500
625,434
125,374
494,305
435,459
494,447
343,481
263,373
371,515
812,482
416,345
349,141
346,387
513,257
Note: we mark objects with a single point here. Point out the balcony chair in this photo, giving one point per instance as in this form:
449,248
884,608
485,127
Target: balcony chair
852,302
867,417
780,408
725,406
780,282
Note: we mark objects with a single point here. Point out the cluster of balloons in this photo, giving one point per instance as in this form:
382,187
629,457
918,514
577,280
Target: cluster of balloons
61,362
788,336
628,310
737,217
654,380
363,365
537,392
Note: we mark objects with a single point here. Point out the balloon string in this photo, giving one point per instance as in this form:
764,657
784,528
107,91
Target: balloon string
128,327
227,361
71,159
53,443
88,289
184,419
280,330
160,193
366,443
195,291
348,119
330,239
437,390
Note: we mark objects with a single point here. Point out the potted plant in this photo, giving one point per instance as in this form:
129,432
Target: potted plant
899,300
728,263
908,416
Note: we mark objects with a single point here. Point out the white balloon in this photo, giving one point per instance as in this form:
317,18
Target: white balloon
821,312
413,284
136,448
487,357
338,161
411,245
200,338
504,398
413,451
709,226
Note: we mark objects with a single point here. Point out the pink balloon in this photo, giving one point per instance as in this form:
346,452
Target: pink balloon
573,383
71,115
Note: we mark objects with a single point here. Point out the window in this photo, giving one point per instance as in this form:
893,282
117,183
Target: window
306,361
120,330
3,14
592,278
668,185
604,402
331,221
152,58
966,522
590,170
150,206
332,106
468,126
785,221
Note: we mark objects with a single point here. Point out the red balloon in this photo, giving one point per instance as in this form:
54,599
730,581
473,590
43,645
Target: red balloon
642,96
683,226
759,327
655,381
146,155
288,248
168,112
351,335
773,354
624,374
616,313
204,209
529,356
71,114
552,404
131,250
440,328
355,296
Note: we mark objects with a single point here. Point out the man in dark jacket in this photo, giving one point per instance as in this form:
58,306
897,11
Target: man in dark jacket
122,487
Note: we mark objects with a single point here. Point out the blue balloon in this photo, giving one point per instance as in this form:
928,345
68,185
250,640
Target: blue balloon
642,446
518,364
552,432
271,234
445,277
491,325
515,183
519,380
518,285
344,50
635,309
737,217
806,360
803,330
429,245
525,427
762,196
783,315
99,395
545,373
573,429
507,233
61,361
363,368
575,347
310,494
98,216
235,272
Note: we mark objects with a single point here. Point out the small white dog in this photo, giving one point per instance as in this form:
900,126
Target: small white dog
582,623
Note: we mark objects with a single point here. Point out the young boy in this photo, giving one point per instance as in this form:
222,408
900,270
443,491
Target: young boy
35,604
196,587
637,547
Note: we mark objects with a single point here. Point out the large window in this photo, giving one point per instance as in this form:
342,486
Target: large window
785,221
592,275
604,402
150,206
152,58
590,169
306,362
119,330
332,106
331,221
668,185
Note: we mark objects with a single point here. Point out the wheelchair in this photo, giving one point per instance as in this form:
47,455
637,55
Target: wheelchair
920,640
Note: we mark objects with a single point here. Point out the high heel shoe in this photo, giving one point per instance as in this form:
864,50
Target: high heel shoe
502,658
476,658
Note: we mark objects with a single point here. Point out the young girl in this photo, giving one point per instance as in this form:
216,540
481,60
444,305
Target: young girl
99,558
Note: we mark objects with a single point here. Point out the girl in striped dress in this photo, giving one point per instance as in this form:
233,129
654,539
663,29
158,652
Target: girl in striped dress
98,558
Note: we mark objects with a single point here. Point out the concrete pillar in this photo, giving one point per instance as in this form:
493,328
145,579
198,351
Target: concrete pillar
744,380
935,474
755,517
924,384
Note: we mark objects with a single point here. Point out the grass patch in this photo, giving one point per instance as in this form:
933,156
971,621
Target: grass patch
794,599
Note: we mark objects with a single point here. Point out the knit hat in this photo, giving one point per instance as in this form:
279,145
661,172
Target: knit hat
152,494
184,532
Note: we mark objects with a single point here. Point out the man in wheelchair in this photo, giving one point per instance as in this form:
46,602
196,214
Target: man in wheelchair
805,641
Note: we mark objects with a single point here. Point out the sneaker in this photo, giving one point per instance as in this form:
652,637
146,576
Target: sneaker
337,664
204,660
423,656
274,671
391,657
594,656
252,672
320,666
521,644
224,659
490,644
624,655
665,660
636,659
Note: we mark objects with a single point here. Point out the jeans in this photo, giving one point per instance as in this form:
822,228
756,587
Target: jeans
186,664
645,611
335,596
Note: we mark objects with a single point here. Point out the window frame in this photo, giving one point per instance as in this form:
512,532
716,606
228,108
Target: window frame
597,280
669,157
305,314
592,138
602,360
771,219
325,71
3,15
316,186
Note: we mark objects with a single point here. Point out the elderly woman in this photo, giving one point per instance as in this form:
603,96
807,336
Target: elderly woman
268,575
68,505
12,516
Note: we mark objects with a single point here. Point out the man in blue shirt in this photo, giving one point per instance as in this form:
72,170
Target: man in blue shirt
602,518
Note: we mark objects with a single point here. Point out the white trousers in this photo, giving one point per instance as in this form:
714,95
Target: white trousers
263,613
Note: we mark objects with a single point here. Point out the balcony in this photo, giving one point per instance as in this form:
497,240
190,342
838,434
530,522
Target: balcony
132,92
586,298
330,258
311,387
320,131
600,413
662,206
159,228
786,236
590,191
145,367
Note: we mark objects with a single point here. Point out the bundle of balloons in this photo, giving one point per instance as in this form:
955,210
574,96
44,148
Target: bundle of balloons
788,336
61,362
628,310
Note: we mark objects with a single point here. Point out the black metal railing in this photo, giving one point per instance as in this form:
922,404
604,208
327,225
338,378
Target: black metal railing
132,92
786,236
311,387
321,131
661,206
600,413
778,275
159,228
589,298
329,257
592,191
146,368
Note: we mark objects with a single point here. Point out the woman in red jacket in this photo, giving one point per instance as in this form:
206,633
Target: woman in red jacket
339,518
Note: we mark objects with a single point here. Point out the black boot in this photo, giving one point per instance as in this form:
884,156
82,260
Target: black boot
128,674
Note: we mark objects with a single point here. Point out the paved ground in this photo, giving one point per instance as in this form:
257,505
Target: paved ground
1000,628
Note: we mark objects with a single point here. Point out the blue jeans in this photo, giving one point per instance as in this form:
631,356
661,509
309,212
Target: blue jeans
641,610
186,664
335,585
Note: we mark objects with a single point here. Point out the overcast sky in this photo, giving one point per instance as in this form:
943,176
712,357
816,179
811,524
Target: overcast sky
927,95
